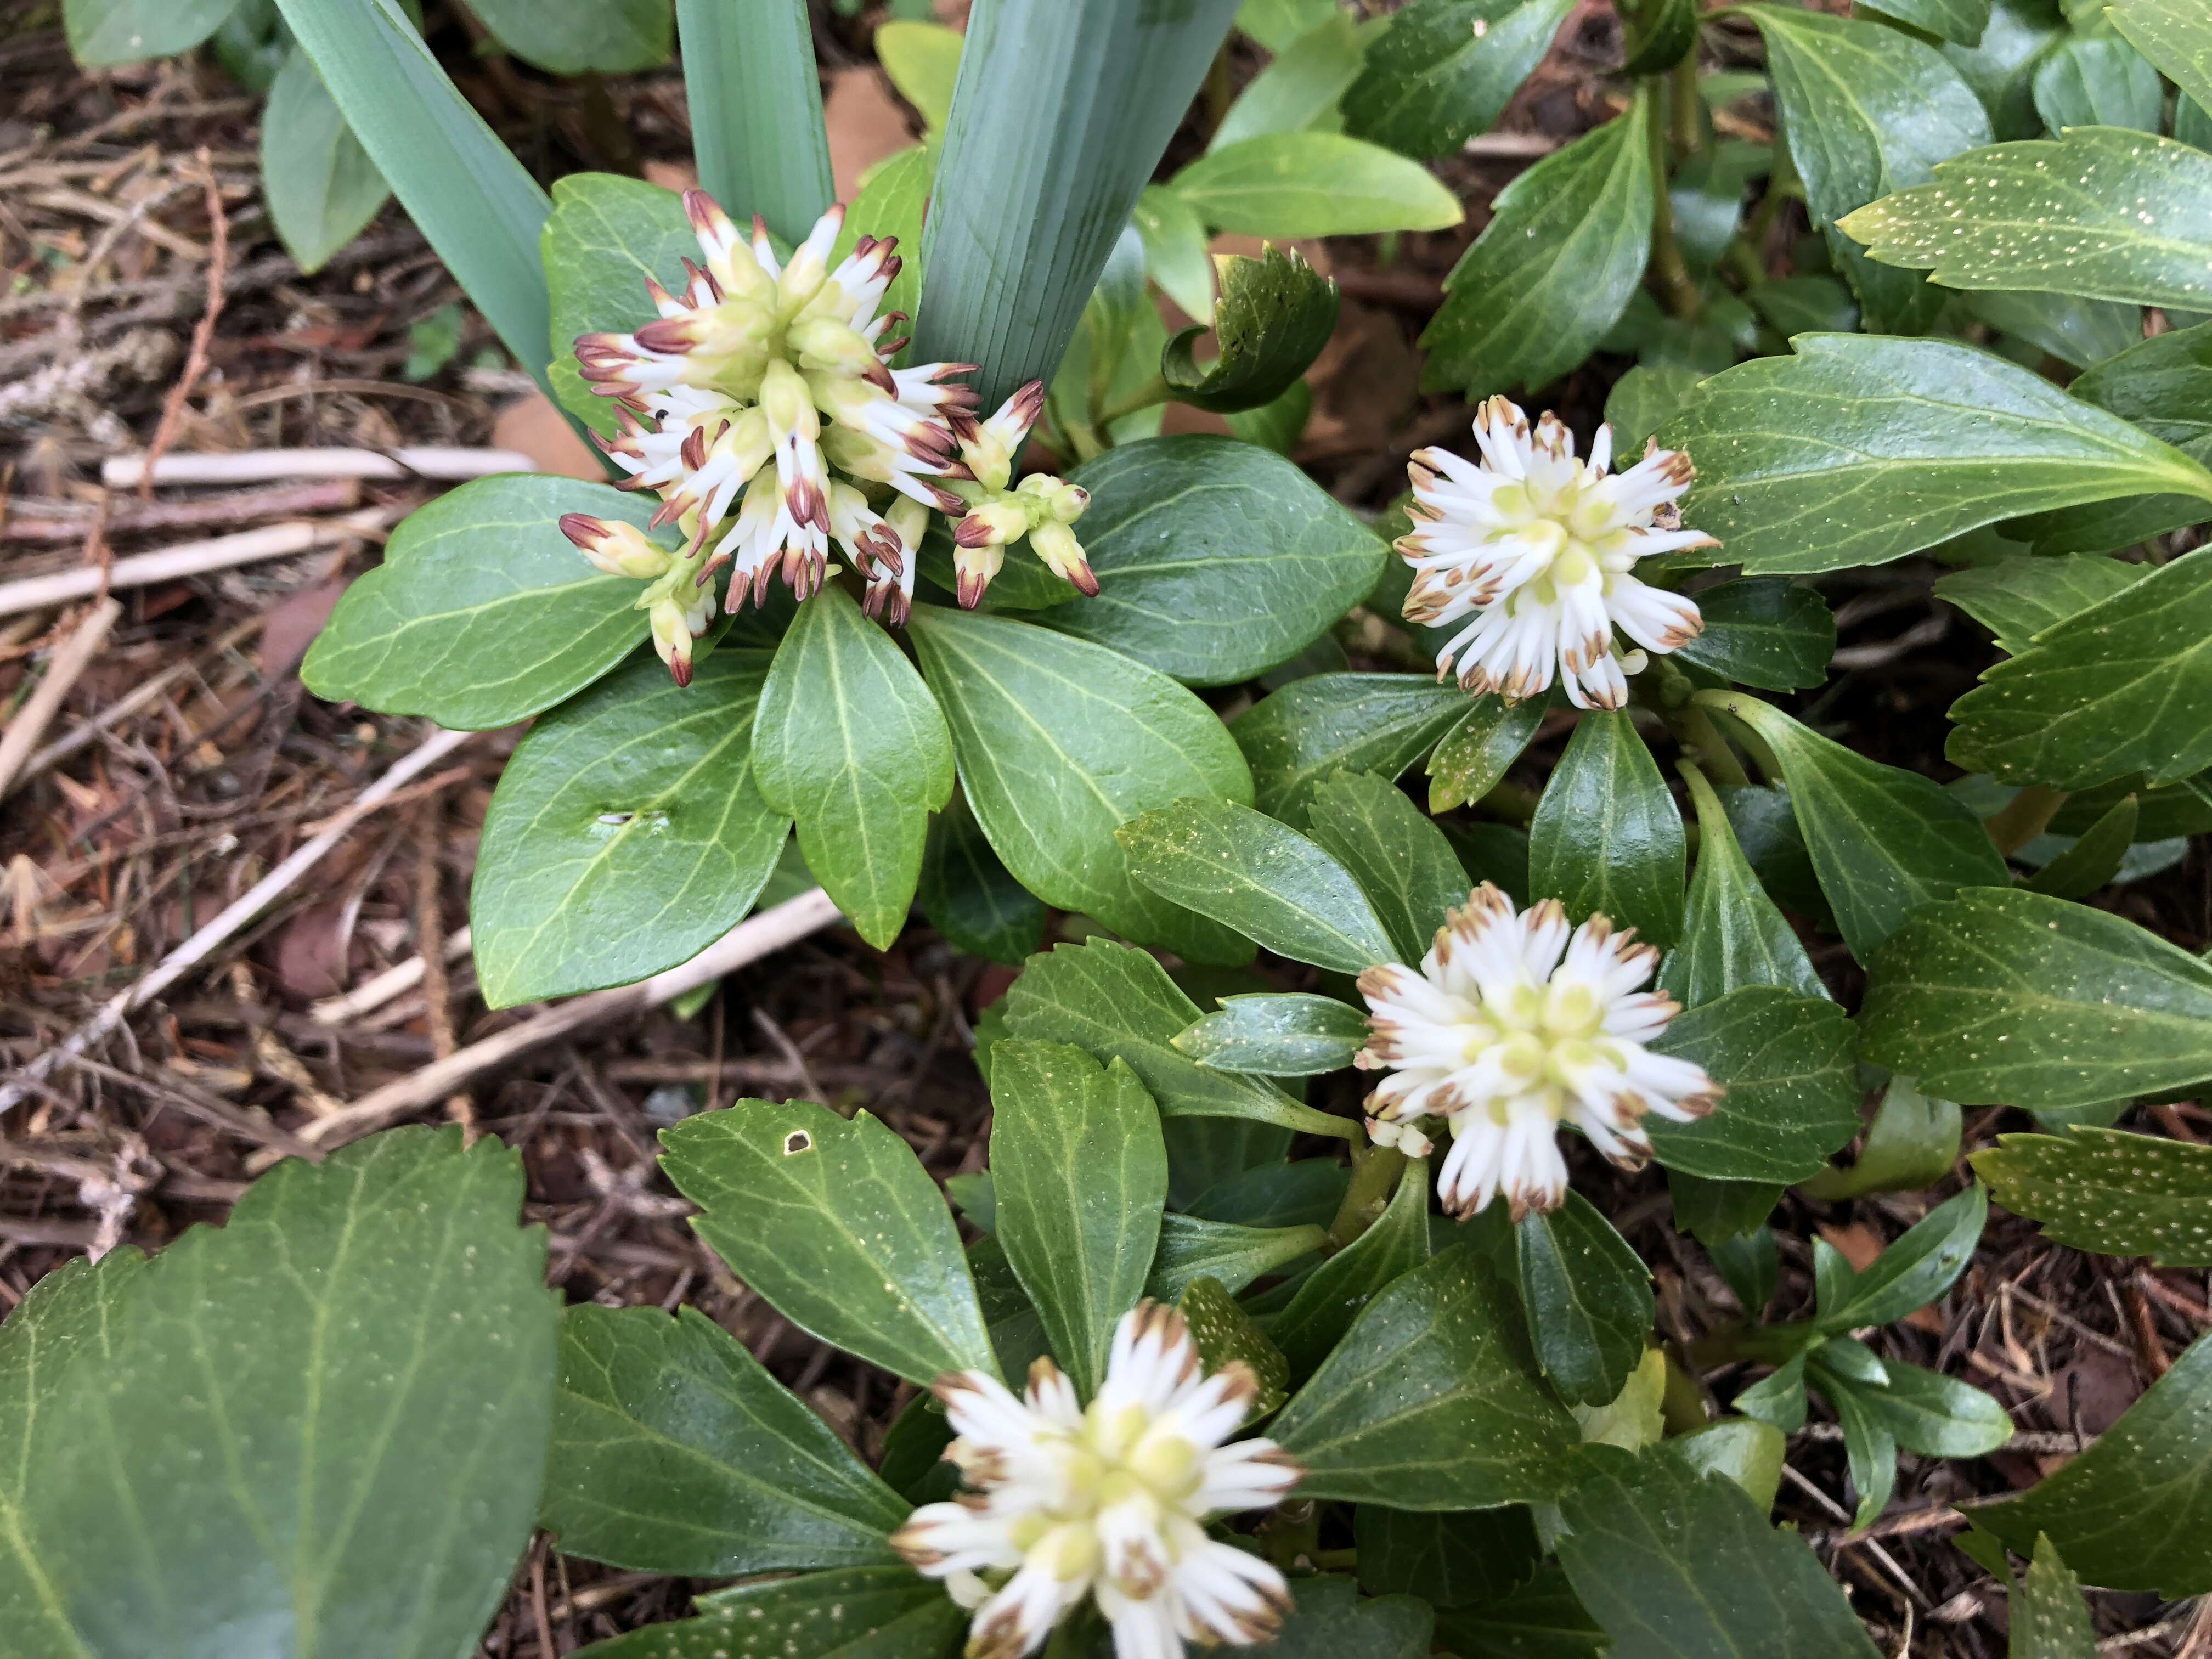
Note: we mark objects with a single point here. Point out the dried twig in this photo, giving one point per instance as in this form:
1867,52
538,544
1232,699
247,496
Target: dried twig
138,698
394,982
234,918
70,659
196,358
67,521
442,462
750,940
193,559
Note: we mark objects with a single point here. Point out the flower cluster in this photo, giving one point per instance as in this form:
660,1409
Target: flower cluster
1109,1502
1509,1028
1538,548
762,408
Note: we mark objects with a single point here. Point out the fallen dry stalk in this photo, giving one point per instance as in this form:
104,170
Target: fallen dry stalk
443,462
193,559
234,919
70,659
755,937
374,992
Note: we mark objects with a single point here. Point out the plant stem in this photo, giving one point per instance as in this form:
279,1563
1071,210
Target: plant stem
1695,730
1676,286
2025,816
1375,1174
1154,391
1682,106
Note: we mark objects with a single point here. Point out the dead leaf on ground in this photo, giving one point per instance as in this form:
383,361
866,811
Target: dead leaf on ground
866,125
292,626
535,427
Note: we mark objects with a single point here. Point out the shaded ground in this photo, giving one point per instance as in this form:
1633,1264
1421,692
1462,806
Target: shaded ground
114,851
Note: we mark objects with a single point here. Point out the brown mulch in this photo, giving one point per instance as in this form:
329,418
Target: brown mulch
112,189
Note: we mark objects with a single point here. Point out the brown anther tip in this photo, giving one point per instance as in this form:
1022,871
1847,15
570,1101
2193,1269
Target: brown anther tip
679,668
581,528
971,533
1085,583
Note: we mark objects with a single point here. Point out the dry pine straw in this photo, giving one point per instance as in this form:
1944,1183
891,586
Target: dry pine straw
190,763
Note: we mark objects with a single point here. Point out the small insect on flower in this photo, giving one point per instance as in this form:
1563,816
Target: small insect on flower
1511,1028
1108,1501
761,406
1539,548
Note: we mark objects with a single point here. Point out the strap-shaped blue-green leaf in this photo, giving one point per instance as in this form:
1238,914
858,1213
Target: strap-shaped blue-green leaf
835,1222
756,106
1079,1177
675,1451
461,185
483,612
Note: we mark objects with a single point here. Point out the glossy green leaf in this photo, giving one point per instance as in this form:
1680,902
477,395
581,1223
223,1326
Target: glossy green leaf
1913,1271
1403,862
849,742
483,612
464,189
1747,1451
1766,631
2099,856
2115,689
1281,1034
1959,20
1607,838
1121,1004
2109,1192
1306,1190
1478,752
923,61
1080,1176
1019,228
1275,315
1259,878
1937,1416
835,1222
1295,738
2006,996
1333,1294
2001,65
1330,1620
2102,212
322,189
1432,1400
1553,268
2175,35
1911,1145
1867,110
581,37
2017,599
675,1451
1626,1519
755,100
2097,80
238,1398
1644,400
1223,1331
102,32
1279,24
1447,69
854,1612
1732,933
1176,254
626,835
1540,1618
1449,1560
1302,86
1869,1449
1231,1255
1061,742
1215,560
1751,1262
1588,1297
1882,841
973,899
1658,34
607,237
1859,449
1792,1090
1290,184
2045,1613
2133,1512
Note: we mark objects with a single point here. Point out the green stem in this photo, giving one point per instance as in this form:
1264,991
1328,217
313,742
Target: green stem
1695,730
1375,1174
1676,286
2025,816
1682,105
1154,391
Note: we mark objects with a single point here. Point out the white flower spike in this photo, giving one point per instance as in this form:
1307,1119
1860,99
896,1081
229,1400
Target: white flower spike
1538,548
762,407
1511,1028
1109,1501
